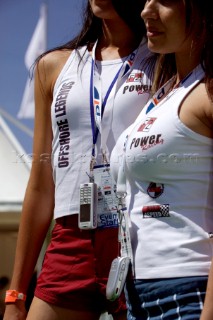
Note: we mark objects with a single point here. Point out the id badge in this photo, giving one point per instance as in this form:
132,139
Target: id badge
107,200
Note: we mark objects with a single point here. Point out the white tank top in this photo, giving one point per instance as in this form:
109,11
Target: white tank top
71,124
169,184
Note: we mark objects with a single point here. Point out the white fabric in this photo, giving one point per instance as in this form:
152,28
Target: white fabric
72,146
14,170
37,45
169,183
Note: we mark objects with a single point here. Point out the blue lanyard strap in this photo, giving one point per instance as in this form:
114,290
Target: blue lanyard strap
95,130
92,115
95,100
163,92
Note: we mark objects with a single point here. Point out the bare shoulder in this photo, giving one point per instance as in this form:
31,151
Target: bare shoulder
204,101
204,107
197,111
49,67
55,59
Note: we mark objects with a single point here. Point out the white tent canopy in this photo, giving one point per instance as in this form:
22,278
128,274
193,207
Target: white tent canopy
14,170
14,175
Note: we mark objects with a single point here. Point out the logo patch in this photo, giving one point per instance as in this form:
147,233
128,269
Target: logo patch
156,211
146,126
135,77
155,190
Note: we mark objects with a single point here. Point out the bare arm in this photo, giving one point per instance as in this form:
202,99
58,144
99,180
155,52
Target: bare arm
207,313
38,203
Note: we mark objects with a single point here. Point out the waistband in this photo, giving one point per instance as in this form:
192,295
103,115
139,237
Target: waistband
68,221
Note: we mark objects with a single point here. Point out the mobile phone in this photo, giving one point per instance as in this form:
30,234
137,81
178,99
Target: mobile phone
117,277
87,218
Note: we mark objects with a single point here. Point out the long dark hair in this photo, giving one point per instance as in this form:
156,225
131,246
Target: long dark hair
199,15
128,10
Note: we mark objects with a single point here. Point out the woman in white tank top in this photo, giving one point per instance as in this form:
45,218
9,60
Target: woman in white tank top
100,70
168,165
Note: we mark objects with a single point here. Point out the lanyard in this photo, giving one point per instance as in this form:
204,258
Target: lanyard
124,233
123,216
97,107
164,92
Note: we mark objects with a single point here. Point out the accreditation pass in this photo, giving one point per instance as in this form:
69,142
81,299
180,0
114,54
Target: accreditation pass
107,200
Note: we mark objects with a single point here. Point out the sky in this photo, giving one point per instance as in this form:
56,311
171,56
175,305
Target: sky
18,19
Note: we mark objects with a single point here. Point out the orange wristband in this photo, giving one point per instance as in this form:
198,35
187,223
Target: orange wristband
13,295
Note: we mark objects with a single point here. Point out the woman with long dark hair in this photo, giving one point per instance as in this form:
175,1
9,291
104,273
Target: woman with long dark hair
168,165
86,92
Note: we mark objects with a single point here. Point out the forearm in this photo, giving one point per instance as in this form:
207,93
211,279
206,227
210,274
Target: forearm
35,221
39,198
207,313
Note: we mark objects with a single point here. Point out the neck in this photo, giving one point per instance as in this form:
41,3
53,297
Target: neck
117,41
186,63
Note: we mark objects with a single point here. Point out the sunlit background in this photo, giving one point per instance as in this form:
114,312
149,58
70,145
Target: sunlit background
18,19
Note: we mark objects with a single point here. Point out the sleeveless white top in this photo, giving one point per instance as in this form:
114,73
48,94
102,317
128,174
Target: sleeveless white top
169,184
71,124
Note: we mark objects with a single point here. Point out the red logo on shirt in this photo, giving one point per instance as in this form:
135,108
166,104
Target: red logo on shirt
155,190
135,77
146,126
